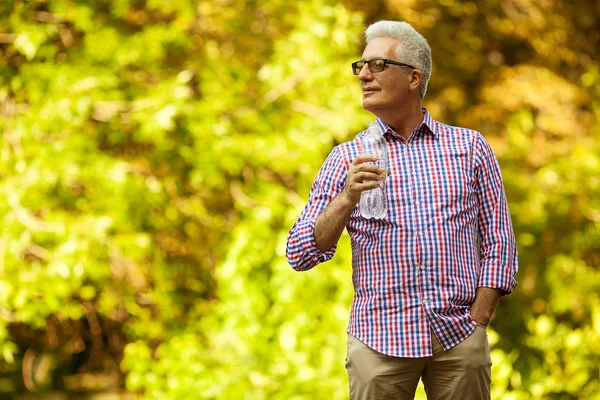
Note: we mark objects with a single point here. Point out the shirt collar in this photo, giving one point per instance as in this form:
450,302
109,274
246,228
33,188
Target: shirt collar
429,125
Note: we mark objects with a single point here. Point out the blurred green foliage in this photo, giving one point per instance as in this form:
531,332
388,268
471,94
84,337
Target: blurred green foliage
155,154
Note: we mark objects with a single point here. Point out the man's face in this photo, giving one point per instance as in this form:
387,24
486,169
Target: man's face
389,88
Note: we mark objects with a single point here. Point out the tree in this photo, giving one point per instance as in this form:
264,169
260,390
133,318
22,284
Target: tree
155,154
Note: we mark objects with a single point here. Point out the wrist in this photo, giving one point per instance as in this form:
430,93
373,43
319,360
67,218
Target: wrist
481,320
349,200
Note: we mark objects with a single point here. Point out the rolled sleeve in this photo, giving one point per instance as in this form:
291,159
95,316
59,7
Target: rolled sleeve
498,277
302,252
499,258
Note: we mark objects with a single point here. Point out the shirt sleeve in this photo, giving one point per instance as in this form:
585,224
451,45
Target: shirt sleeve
302,252
499,258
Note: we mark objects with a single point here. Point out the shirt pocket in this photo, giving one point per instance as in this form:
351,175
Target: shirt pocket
452,201
451,193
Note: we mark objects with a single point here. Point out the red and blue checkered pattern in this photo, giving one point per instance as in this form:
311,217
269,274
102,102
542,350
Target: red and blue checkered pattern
448,231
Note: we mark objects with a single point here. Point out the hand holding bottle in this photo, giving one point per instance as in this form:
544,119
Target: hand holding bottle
363,175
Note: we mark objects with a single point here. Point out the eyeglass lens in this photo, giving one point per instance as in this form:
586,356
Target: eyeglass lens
374,66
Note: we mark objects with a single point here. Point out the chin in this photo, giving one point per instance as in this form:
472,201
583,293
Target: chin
369,104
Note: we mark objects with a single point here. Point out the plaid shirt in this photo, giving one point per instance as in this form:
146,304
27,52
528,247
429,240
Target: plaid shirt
448,231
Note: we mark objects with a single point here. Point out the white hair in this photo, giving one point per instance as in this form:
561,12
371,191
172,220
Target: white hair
413,48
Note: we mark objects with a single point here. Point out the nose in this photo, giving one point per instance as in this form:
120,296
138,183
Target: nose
365,74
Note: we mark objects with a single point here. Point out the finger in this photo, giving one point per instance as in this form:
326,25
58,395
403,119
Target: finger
373,169
364,158
368,185
367,176
366,168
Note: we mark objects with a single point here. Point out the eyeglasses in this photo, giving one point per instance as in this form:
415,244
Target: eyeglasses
375,65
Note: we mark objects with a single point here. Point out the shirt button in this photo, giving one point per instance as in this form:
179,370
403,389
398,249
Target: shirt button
425,301
423,267
418,202
420,233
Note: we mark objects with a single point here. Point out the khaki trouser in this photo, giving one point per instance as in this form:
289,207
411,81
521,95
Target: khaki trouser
461,373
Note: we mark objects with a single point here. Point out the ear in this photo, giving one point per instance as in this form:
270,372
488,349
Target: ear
415,77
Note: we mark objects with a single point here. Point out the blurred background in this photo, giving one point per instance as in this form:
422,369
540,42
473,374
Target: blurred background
155,153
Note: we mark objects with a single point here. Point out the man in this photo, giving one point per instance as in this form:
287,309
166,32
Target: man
428,277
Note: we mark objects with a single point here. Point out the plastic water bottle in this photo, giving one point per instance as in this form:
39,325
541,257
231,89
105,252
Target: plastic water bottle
373,203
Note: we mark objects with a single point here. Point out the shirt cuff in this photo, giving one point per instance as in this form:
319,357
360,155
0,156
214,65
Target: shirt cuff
497,277
310,255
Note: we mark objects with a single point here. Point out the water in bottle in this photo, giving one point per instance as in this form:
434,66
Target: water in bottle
373,203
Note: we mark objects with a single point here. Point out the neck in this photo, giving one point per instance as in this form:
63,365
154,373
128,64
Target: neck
405,120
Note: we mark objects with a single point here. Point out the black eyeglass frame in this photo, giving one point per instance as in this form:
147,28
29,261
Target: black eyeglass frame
356,70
